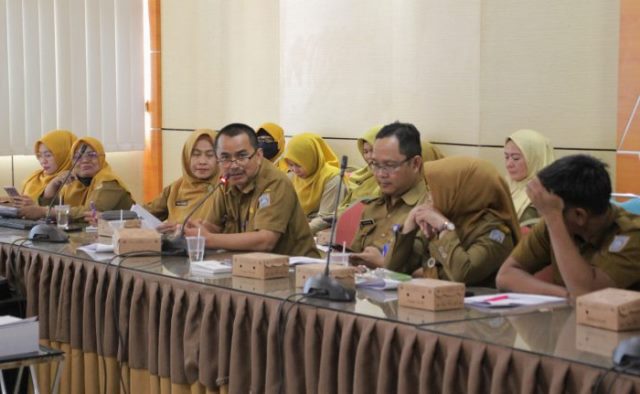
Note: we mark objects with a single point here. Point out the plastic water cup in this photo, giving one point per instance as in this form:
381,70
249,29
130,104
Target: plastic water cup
62,215
340,258
195,248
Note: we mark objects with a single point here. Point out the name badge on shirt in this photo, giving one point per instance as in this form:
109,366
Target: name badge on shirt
182,203
497,236
366,222
264,200
618,243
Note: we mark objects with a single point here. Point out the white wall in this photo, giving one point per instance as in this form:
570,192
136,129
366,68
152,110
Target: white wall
463,71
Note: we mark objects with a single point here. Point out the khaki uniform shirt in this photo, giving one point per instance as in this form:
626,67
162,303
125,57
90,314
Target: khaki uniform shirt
268,202
380,222
159,206
616,252
106,197
473,260
529,217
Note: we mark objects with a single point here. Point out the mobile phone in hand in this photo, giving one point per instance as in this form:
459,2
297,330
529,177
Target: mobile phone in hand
12,191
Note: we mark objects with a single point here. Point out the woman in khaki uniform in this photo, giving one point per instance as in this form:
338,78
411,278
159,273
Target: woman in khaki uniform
94,188
468,226
199,173
525,153
53,151
316,177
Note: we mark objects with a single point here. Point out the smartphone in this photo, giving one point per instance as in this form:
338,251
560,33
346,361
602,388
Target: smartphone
12,191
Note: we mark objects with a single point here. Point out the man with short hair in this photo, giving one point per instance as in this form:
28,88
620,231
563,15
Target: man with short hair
397,165
258,210
589,243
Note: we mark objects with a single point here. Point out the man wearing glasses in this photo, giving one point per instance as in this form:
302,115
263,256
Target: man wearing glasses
258,210
397,166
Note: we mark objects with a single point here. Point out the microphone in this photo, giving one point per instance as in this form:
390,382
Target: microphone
47,231
322,285
176,245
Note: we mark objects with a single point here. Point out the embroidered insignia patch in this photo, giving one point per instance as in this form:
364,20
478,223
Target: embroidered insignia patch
497,236
264,200
618,243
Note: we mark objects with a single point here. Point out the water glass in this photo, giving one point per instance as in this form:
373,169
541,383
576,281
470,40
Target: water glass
340,258
195,248
62,215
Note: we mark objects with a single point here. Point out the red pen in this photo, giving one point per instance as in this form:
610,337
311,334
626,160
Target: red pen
497,298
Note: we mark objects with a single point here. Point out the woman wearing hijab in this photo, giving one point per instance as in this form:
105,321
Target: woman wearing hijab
199,174
53,151
93,187
316,177
271,141
525,153
467,225
361,184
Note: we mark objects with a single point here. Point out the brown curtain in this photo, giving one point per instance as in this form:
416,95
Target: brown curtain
184,337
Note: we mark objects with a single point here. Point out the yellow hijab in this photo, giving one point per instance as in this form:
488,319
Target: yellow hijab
188,189
361,183
276,132
59,143
76,193
310,152
465,188
538,153
430,152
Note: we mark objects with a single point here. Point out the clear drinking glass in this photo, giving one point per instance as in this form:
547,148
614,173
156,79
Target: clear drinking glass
62,215
195,248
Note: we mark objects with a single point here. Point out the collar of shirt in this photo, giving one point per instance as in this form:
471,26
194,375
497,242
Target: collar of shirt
412,196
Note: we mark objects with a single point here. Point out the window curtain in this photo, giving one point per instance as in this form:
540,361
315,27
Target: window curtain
71,64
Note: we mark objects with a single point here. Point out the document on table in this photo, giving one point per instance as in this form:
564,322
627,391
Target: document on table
98,252
300,260
376,283
210,267
513,300
148,220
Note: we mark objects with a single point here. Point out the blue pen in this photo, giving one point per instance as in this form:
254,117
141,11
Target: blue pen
385,249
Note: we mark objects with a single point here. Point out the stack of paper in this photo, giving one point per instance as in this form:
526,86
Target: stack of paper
513,300
299,260
210,267
98,252
369,281
18,336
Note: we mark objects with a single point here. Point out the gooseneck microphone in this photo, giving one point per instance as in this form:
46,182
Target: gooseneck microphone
177,244
46,231
322,285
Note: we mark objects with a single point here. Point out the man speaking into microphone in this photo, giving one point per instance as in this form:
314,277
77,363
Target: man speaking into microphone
258,210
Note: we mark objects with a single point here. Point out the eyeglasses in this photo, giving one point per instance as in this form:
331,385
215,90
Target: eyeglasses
241,159
265,139
387,167
87,155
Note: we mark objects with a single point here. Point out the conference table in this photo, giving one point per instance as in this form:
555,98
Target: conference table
151,325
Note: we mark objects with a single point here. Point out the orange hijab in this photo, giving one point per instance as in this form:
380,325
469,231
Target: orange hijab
76,193
189,188
59,143
464,188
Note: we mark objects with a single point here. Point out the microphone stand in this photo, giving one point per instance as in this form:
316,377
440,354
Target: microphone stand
176,245
46,231
322,285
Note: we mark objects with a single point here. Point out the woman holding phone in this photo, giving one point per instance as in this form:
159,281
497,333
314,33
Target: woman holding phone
53,154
